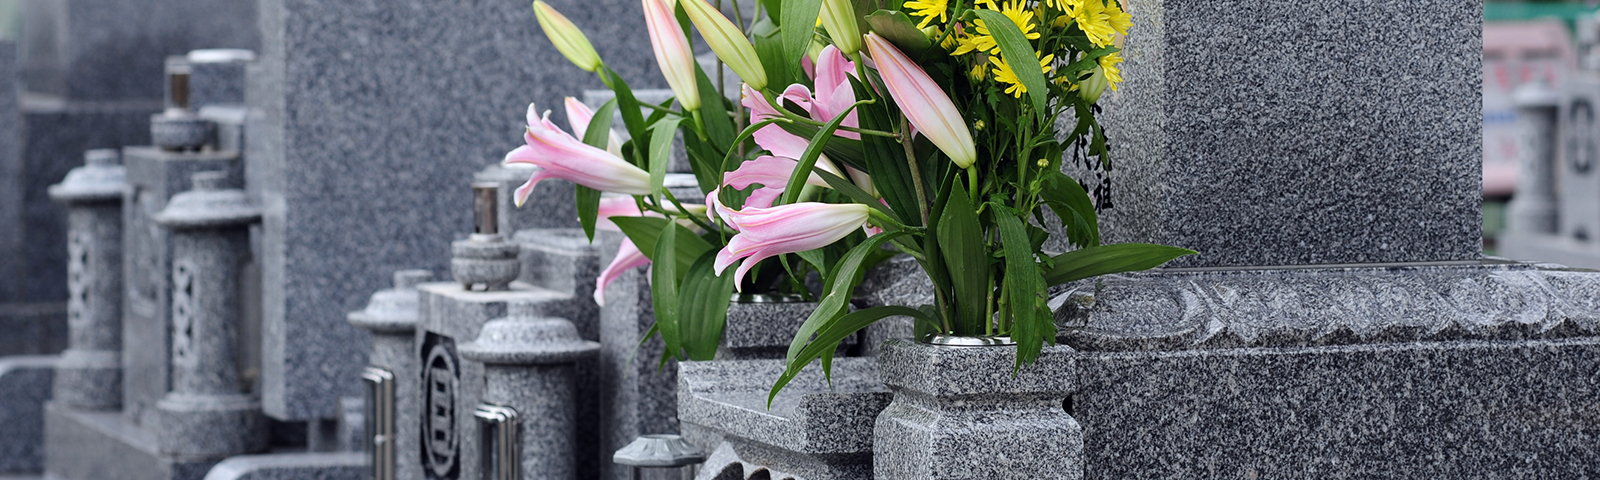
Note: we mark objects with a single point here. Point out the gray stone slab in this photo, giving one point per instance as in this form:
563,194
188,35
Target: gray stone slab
1534,247
1276,134
1444,410
11,169
551,204
104,446
1493,300
811,431
25,383
115,49
291,466
638,391
354,121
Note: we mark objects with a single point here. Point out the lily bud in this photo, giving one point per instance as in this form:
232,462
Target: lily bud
1090,88
566,37
729,43
839,19
925,104
672,52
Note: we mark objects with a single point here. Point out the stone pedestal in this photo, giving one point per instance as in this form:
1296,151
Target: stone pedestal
815,429
530,366
960,412
208,412
761,327
90,370
391,315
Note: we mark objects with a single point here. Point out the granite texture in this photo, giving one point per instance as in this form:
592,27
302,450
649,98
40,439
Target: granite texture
154,178
104,446
90,373
563,260
530,367
352,120
13,183
217,76
209,413
450,385
179,130
33,328
1448,410
637,391
291,466
489,260
24,388
1276,135
763,327
965,412
1490,300
115,49
812,430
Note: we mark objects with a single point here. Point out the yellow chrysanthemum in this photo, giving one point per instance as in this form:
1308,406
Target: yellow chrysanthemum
981,40
1003,74
928,10
1093,20
1109,64
1118,19
977,72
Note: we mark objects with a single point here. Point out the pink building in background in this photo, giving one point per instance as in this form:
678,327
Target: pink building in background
1514,53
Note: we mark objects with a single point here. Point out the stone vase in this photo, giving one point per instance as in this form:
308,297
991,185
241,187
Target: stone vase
959,413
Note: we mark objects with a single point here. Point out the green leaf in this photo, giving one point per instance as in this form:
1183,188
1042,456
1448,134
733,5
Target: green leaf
1073,206
799,24
808,160
885,160
632,113
1025,288
849,189
661,135
966,259
645,230
1017,52
598,132
768,40
1107,259
842,149
664,292
714,111
703,311
588,200
839,287
899,30
830,335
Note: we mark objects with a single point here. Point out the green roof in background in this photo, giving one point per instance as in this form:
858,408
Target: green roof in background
1512,11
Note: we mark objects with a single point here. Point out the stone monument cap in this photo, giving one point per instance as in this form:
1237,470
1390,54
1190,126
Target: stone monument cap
658,451
393,310
528,340
210,202
101,179
221,55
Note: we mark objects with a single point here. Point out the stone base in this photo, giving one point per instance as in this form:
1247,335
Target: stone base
102,446
1436,410
89,380
24,388
961,413
292,466
211,426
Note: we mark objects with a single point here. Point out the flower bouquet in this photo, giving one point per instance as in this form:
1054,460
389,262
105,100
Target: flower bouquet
924,127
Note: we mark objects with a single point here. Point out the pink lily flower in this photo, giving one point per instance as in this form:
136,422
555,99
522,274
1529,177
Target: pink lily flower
559,155
628,255
672,50
579,116
797,227
834,93
925,105
773,174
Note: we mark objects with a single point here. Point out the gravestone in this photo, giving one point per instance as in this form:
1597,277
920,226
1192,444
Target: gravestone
350,120
1340,320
